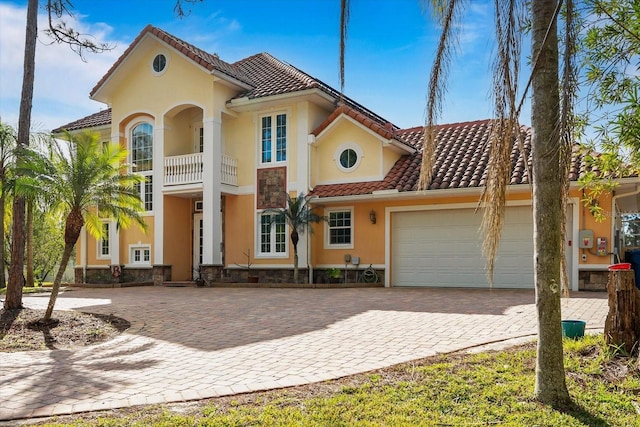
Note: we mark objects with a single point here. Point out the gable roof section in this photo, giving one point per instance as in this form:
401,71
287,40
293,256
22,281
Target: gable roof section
207,60
101,118
274,77
262,73
462,159
386,131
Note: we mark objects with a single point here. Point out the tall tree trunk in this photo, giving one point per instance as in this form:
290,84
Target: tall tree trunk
622,326
30,280
73,226
295,238
550,385
14,289
3,261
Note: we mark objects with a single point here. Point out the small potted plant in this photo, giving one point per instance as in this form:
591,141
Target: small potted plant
198,277
250,278
333,274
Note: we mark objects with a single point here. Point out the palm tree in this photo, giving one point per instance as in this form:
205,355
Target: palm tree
299,216
550,149
8,138
87,181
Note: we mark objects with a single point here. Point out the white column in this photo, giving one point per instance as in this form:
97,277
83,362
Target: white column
83,247
211,177
302,167
158,200
114,243
114,233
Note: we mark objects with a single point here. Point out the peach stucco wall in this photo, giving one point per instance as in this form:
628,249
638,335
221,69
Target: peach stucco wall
135,236
369,239
178,232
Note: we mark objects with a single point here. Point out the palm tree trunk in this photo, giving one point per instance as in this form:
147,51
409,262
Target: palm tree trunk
73,226
66,256
3,200
13,298
550,385
30,281
294,239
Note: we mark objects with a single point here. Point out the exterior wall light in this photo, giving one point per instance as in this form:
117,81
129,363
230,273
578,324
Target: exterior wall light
372,216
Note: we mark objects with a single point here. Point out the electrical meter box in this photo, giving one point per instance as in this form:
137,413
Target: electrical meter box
586,239
601,249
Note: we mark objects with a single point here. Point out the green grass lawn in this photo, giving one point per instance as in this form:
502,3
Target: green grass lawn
455,390
30,290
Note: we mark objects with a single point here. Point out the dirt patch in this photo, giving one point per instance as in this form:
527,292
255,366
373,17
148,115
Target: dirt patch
22,330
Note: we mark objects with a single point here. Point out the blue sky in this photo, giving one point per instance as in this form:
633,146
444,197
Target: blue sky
389,52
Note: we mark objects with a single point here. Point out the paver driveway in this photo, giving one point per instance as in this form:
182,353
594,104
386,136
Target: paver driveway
189,343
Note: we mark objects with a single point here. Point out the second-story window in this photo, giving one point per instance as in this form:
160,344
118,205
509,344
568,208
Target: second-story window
142,160
273,138
103,242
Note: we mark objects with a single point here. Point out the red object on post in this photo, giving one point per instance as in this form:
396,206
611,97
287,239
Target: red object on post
620,266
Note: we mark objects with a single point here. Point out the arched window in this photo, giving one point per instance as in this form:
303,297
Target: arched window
142,147
142,160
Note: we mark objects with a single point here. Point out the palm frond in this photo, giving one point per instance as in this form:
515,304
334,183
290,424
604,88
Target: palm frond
83,176
447,12
505,130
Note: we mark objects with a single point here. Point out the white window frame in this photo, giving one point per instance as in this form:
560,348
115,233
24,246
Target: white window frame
273,235
147,174
100,254
166,64
346,146
144,191
327,240
142,262
273,142
198,138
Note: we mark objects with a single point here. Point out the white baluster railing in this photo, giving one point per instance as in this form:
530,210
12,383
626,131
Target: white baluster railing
187,169
229,170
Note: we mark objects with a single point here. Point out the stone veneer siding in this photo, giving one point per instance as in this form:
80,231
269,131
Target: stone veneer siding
593,280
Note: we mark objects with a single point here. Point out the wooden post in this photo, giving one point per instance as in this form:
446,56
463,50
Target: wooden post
622,327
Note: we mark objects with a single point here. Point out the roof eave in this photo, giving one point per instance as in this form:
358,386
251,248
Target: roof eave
401,146
403,195
61,131
232,80
247,104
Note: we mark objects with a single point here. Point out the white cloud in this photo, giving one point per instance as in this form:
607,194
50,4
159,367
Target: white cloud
62,80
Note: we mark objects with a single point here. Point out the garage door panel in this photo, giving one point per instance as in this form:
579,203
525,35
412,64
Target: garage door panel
443,248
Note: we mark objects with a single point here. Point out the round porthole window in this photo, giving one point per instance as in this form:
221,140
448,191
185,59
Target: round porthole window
348,158
159,63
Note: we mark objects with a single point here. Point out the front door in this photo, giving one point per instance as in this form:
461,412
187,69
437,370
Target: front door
197,243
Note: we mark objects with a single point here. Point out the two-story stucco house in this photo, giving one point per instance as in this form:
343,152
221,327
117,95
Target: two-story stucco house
218,143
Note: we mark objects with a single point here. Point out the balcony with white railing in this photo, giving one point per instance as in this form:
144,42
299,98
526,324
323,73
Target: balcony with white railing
187,169
229,170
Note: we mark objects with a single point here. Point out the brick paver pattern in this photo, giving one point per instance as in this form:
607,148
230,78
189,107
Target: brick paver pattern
189,343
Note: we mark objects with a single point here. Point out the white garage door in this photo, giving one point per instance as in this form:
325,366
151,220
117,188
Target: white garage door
443,248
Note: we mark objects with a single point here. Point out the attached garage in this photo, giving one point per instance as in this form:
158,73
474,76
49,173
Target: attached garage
442,248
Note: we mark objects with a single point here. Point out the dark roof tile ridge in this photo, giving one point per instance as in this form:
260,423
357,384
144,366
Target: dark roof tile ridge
449,125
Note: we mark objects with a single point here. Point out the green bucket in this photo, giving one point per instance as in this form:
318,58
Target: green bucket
573,328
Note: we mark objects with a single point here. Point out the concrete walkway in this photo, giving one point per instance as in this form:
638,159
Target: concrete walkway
189,343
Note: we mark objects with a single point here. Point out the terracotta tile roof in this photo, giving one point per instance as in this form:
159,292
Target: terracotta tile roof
270,76
101,118
266,75
462,155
